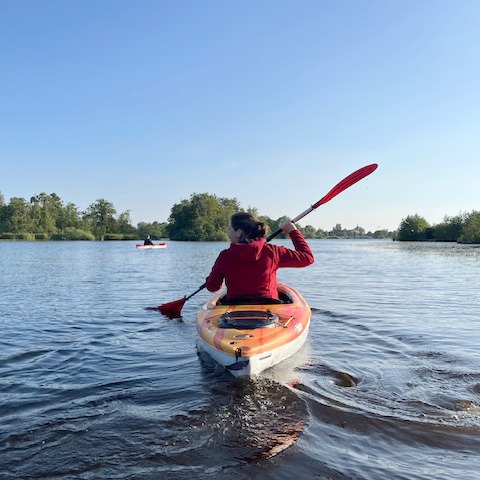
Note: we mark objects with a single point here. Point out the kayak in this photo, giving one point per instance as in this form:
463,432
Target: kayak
247,339
150,247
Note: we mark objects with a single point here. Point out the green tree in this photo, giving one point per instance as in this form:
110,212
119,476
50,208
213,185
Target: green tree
471,229
100,217
68,217
204,217
413,228
19,216
4,215
45,211
123,225
450,230
321,233
381,234
309,232
156,230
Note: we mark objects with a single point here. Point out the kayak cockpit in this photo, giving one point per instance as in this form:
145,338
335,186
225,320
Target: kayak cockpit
248,320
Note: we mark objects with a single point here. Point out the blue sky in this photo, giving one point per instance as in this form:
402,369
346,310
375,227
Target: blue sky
145,102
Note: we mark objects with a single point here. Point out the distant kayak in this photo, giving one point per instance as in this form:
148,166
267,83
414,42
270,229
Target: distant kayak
151,247
247,339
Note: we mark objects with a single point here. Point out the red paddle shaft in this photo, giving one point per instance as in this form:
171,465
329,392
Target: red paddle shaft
173,309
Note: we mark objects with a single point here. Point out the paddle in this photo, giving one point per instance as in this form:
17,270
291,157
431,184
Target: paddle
173,309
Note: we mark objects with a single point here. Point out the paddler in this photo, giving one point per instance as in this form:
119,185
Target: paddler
249,266
148,241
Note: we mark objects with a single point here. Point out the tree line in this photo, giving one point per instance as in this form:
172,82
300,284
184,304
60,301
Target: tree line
462,228
202,217
47,217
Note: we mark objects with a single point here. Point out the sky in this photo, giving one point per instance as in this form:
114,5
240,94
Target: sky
271,102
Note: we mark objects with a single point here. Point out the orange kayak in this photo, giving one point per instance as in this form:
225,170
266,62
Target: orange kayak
247,339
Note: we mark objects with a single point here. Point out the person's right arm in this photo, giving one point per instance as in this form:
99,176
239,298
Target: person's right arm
302,256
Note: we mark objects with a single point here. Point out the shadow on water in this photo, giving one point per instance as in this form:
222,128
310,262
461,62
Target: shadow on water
258,418
252,421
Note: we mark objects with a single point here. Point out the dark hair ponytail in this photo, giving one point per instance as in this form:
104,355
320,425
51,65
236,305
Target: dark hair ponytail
251,228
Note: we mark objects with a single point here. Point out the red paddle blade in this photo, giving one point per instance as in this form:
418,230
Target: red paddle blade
347,182
171,309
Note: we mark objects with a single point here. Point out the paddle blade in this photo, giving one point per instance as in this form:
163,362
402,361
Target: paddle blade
346,182
172,309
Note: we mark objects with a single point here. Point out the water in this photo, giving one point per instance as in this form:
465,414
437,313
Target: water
93,385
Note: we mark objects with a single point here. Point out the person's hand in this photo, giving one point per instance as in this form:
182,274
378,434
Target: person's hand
288,226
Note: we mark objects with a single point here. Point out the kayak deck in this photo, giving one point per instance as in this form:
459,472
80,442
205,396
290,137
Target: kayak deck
247,339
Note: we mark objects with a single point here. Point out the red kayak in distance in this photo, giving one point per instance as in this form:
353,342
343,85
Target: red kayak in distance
151,247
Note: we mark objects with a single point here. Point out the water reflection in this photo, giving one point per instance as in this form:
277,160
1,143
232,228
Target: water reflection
259,417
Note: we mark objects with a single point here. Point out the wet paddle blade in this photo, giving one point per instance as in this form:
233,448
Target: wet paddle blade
172,309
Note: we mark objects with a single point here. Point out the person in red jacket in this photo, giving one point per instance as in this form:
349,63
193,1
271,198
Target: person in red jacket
249,266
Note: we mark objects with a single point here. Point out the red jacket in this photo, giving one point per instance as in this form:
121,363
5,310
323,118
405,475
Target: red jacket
250,269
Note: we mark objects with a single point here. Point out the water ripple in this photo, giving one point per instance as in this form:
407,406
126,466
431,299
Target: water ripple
92,385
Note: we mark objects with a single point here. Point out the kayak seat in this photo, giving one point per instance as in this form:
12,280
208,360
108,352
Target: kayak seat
248,320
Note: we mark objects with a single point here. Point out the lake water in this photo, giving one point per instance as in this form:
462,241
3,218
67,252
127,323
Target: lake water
94,386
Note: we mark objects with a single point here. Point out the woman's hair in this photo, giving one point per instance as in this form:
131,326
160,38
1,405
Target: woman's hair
251,228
